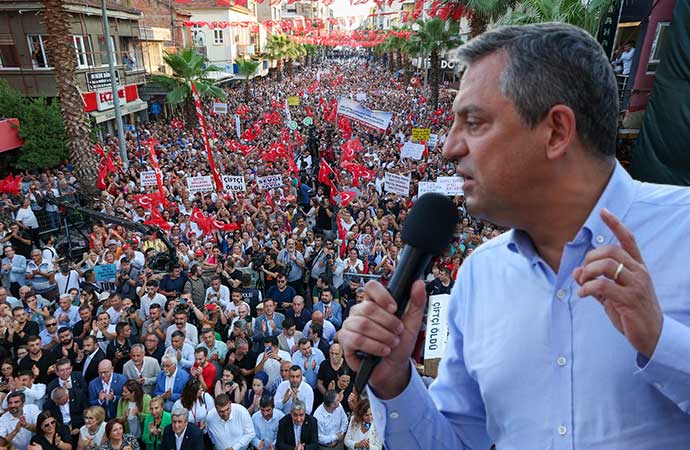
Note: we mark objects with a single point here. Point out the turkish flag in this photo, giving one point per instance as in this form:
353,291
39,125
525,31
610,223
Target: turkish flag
202,221
158,220
325,174
346,197
224,226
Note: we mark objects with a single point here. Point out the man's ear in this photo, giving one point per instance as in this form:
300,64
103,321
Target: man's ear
561,130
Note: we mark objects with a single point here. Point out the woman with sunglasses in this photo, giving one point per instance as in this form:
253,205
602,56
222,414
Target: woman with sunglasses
49,434
92,435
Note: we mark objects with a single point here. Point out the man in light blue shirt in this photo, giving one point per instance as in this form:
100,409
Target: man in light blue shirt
266,423
13,267
572,330
309,359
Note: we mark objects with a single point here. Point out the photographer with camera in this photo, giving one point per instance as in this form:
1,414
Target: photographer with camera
118,349
293,261
126,279
197,285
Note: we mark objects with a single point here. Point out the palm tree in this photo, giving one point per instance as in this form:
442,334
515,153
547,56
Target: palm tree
188,65
60,50
311,51
395,45
277,49
247,67
434,37
480,12
586,15
295,52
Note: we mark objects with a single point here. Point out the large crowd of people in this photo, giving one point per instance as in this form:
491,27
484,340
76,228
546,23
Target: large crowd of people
234,345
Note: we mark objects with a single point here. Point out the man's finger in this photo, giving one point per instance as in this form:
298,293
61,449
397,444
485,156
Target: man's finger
607,267
380,295
624,236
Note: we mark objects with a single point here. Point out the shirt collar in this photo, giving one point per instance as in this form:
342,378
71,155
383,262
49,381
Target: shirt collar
617,198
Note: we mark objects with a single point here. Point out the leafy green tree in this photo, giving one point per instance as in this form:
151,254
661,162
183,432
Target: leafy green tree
188,65
40,126
247,68
277,49
434,37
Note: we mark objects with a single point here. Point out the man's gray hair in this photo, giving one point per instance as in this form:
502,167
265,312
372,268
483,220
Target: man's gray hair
552,64
180,412
138,346
169,359
298,405
58,393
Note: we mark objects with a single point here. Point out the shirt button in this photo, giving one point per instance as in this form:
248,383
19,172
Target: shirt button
562,430
562,361
394,415
600,239
560,294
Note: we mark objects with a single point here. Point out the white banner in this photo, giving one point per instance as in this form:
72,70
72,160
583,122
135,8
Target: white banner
237,126
436,326
426,187
397,184
412,150
200,184
353,110
147,178
234,183
361,96
433,140
451,185
270,182
220,108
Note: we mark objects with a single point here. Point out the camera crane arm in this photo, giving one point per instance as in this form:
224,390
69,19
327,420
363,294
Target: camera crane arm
135,226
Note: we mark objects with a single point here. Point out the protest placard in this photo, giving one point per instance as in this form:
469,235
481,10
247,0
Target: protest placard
397,184
234,183
420,134
105,272
412,150
361,96
200,184
147,178
432,141
270,182
426,187
220,108
451,185
293,100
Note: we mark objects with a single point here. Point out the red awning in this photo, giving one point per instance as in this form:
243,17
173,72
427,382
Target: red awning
9,135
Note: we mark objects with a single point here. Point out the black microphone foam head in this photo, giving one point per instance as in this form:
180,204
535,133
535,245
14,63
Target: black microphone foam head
431,223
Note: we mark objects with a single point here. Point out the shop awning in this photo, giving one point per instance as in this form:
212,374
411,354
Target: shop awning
127,108
9,135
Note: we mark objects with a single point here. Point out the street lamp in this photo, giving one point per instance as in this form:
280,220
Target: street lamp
113,85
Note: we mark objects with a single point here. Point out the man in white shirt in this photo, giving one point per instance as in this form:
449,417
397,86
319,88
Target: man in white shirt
190,332
150,297
294,388
229,425
18,424
217,293
270,360
332,421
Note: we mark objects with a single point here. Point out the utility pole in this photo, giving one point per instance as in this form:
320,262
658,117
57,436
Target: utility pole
114,86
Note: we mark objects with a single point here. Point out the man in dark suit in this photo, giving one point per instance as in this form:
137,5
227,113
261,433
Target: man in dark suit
58,404
75,387
88,359
106,390
180,429
301,424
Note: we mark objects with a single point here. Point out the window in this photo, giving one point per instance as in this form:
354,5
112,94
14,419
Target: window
103,51
657,45
39,60
8,51
83,49
198,36
217,36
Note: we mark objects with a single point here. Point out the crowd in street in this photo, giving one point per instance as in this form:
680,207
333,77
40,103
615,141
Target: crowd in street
234,345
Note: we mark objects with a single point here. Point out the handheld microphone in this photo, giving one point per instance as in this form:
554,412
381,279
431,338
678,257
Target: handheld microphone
427,231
